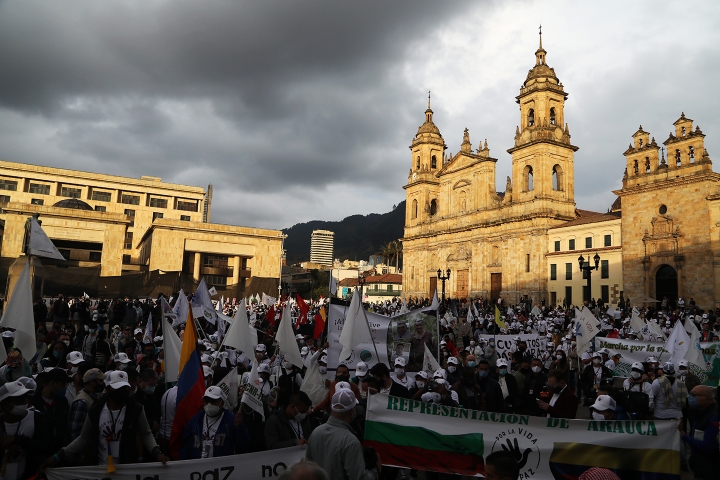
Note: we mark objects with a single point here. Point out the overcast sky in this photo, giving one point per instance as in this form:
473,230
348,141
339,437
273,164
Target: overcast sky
297,111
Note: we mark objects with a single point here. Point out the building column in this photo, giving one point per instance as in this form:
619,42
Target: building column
236,270
196,267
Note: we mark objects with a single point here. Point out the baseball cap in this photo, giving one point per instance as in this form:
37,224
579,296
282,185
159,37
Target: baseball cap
651,359
596,355
422,374
29,383
215,393
502,362
617,354
431,397
117,379
304,351
121,357
638,366
418,321
604,402
207,371
261,348
683,363
93,374
598,473
342,386
604,350
299,337
205,358
453,361
74,358
13,389
439,373
343,401
400,361
323,359
361,369
137,330
668,368
263,368
158,339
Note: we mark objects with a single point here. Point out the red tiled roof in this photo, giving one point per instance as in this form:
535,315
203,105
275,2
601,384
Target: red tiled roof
394,278
583,217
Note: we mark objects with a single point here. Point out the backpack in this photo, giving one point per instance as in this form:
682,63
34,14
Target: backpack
634,402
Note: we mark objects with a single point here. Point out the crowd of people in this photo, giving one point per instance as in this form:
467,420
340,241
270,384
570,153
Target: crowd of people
95,392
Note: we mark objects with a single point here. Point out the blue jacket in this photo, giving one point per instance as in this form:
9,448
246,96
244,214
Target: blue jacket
229,439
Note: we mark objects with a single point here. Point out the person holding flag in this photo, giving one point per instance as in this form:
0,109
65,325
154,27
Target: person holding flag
499,320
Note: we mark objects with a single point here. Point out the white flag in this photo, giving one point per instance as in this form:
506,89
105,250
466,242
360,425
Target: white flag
252,396
586,327
477,315
677,344
238,335
202,305
268,300
333,285
694,354
40,244
171,348
180,310
430,365
469,318
355,330
285,338
148,336
636,323
229,385
18,315
435,303
655,329
535,311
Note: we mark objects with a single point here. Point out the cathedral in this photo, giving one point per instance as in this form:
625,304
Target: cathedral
502,244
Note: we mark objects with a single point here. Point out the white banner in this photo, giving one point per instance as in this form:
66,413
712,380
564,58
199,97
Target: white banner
365,351
503,344
250,466
427,436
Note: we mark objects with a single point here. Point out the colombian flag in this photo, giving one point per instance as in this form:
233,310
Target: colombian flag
191,386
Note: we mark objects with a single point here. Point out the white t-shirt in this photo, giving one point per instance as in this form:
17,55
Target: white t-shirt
111,423
209,429
168,404
16,464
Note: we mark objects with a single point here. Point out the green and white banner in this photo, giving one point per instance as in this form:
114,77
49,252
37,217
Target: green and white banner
426,436
637,351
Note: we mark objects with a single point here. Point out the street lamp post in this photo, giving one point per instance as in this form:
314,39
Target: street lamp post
443,279
361,282
586,267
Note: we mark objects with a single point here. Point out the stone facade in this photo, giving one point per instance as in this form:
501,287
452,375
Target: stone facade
669,218
494,243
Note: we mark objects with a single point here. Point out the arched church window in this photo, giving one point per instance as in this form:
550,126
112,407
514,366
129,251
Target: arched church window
678,159
682,131
417,163
529,178
414,212
531,118
647,164
691,152
552,116
556,177
433,207
635,167
433,162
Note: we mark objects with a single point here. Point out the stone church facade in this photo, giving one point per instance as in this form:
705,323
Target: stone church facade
494,243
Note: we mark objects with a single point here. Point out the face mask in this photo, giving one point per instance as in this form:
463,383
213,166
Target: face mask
635,375
122,366
57,353
472,343
598,416
536,369
597,361
482,374
573,344
399,371
452,369
345,378
149,390
420,384
212,410
322,370
300,417
21,410
503,371
92,330
682,372
559,357
66,342
471,364
74,370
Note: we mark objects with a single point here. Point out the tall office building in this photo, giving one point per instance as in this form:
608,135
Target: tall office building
321,247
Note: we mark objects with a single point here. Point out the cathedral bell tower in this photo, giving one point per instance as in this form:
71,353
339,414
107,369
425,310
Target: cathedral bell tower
542,158
427,154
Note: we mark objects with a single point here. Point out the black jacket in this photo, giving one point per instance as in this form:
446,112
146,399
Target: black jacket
511,382
37,448
587,378
57,418
280,434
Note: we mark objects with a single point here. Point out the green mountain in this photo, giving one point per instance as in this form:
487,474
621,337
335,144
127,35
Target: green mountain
356,237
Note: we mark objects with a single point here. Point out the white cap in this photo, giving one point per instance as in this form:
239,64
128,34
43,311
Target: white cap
443,343
323,359
299,337
8,334
431,397
501,362
138,330
158,339
30,383
343,401
422,374
604,350
215,393
440,373
683,363
261,348
596,355
304,351
651,359
263,368
604,402
400,361
116,379
74,358
205,358
13,389
361,369
121,357
207,371
453,361
342,386
638,366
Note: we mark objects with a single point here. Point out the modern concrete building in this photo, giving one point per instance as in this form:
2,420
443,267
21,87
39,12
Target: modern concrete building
321,247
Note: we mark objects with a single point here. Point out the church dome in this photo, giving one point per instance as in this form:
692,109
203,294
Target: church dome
73,203
428,126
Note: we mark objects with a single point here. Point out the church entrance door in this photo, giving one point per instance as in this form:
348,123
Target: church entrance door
666,284
433,287
462,284
495,286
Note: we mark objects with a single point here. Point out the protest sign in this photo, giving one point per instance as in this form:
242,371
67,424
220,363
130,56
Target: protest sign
426,436
410,334
250,466
503,344
364,351
637,351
